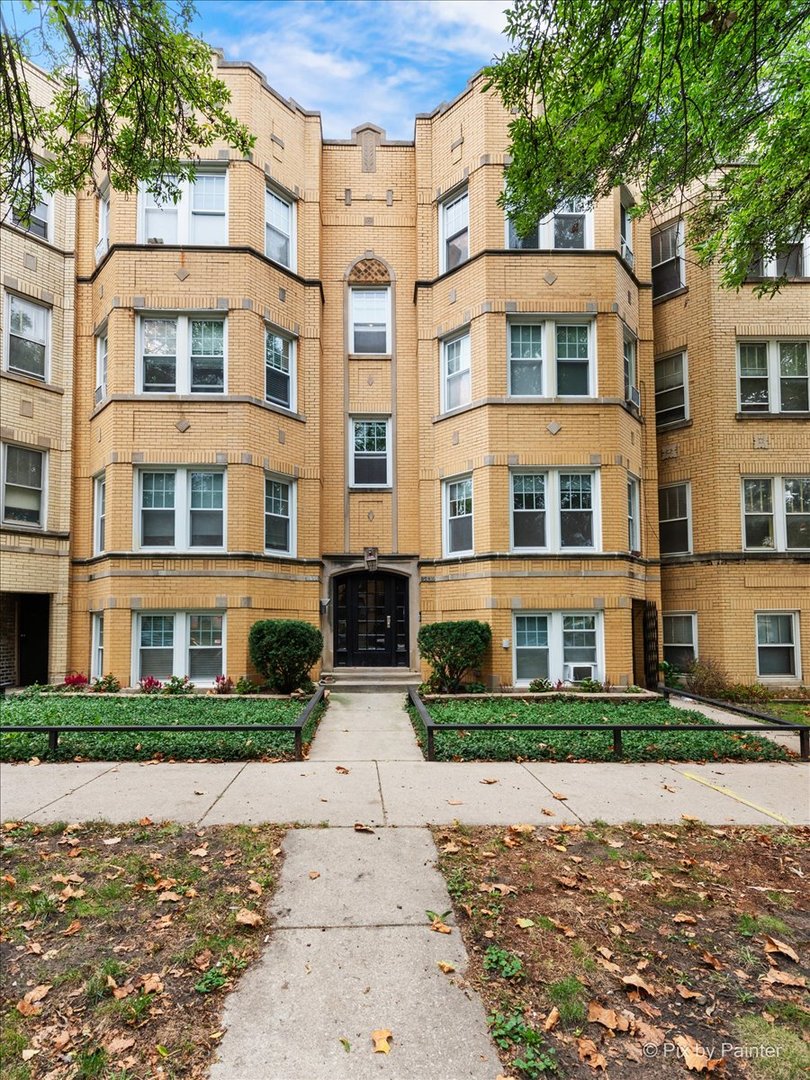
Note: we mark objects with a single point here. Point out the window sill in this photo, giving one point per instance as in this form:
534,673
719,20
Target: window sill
370,356
676,425
368,489
771,416
32,380
271,554
776,551
49,244
670,295
205,399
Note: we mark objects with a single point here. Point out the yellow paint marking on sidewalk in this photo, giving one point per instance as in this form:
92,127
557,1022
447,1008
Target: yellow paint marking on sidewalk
733,795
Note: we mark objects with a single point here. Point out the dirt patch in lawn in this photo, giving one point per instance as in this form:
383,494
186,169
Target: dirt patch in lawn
117,944
637,949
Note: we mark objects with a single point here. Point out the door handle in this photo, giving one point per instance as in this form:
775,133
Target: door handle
387,622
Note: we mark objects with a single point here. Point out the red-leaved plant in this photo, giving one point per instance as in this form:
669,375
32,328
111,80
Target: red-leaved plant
150,685
223,684
76,681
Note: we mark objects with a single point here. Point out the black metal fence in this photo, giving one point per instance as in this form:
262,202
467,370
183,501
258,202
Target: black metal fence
615,730
53,730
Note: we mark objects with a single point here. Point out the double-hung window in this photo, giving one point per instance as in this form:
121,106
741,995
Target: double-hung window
100,514
776,513
680,640
790,261
279,368
182,509
38,222
568,228
573,360
454,225
370,457
456,379
571,372
526,359
28,337
102,364
370,321
674,525
774,376
629,371
557,645
777,644
626,235
633,514
182,354
279,217
97,645
555,510
180,643
458,516
671,390
199,214
24,474
668,261
103,241
279,515
570,220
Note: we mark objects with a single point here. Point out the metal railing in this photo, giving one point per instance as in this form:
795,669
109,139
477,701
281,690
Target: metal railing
54,730
615,730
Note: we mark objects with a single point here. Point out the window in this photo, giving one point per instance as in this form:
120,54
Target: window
181,354
182,508
790,261
673,517
454,216
626,235
370,454
774,376
671,398
198,216
629,370
279,515
777,641
680,640
458,503
633,514
28,333
102,357
97,646
557,645
776,513
100,514
180,643
668,263
456,382
39,221
569,228
371,319
103,226
279,216
572,372
279,371
573,499
23,486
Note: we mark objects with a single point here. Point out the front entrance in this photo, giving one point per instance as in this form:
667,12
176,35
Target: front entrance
33,628
371,620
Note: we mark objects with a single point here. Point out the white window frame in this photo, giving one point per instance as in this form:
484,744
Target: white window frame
446,485
182,370
633,514
556,661
626,231
466,354
103,212
102,365
666,487
184,210
42,524
773,375
44,198
769,264
100,513
45,376
181,642
778,513
292,373
796,677
292,204
679,257
353,292
292,515
389,480
546,233
630,368
553,508
182,507
447,202
692,616
548,355
685,376
97,645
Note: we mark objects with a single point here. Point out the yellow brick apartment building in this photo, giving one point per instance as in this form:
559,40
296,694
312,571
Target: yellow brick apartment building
331,383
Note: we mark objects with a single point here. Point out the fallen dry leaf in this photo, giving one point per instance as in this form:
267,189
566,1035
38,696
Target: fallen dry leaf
199,852
487,781
381,1039
681,917
694,1057
151,984
637,983
244,917
169,897
451,849
608,1018
524,924
773,946
111,841
782,978
38,993
686,993
121,1042
440,927
25,1008
313,874
29,1053
455,802
145,821
255,887
557,795
711,961
445,967
498,887
360,827
342,770
74,928
552,1019
589,1053
548,813
524,830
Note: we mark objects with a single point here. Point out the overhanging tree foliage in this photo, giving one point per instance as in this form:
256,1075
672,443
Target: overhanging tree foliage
135,93
699,101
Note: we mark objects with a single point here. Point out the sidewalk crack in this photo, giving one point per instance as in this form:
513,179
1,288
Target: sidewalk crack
216,800
382,800
72,791
548,789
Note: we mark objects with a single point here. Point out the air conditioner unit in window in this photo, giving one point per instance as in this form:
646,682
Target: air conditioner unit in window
627,254
634,396
579,672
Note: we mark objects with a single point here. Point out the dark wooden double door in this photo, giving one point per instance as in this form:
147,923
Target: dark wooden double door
371,620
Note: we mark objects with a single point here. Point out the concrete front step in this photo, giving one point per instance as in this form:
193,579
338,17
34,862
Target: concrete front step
370,680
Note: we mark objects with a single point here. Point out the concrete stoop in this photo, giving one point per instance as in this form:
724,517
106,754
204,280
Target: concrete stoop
371,680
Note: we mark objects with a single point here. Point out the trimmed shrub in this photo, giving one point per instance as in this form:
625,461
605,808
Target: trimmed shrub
452,648
283,651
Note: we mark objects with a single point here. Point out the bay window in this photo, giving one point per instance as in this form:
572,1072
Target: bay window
454,228
572,498
23,491
182,508
557,645
456,379
279,515
571,372
179,643
776,513
279,368
674,524
777,645
680,640
27,337
181,354
279,216
668,261
458,516
197,216
774,376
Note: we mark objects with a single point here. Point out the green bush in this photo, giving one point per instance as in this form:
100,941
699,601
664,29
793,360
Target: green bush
284,650
452,648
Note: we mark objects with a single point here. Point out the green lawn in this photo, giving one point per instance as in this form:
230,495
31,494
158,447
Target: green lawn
181,712
582,745
798,712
